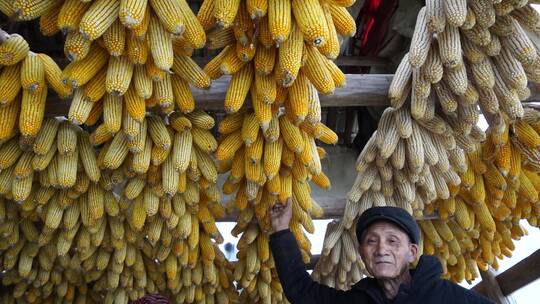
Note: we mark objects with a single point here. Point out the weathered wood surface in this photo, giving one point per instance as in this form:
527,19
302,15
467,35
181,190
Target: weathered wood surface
521,274
492,290
361,90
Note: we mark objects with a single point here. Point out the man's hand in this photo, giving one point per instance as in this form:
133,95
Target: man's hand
280,216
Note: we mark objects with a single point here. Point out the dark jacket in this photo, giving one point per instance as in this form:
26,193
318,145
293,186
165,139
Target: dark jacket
426,284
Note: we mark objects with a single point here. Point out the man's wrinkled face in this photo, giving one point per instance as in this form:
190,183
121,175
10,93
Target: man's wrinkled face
386,250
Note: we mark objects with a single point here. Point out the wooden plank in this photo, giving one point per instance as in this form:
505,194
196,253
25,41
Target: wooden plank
341,61
518,276
492,290
361,90
333,209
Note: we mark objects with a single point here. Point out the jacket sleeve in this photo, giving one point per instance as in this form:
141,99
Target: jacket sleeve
298,286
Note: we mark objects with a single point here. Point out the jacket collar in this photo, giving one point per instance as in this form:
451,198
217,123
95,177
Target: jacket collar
427,272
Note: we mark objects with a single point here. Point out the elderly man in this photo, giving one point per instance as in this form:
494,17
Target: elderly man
388,238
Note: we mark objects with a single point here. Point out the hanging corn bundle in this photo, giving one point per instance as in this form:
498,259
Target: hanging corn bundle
465,58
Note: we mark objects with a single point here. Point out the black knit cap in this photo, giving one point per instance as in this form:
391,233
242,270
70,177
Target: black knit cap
396,215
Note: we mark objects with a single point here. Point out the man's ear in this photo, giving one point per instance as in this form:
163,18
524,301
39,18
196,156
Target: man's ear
413,252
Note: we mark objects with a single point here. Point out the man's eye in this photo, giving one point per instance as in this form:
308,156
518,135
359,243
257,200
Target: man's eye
371,241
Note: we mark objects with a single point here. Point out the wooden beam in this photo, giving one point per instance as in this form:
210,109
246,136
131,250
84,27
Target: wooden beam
333,208
519,275
361,90
492,290
341,61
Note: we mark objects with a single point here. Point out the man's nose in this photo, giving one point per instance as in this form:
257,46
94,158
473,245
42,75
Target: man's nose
381,249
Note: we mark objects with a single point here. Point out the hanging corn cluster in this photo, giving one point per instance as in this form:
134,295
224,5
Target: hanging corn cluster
155,238
279,53
340,266
465,58
128,58
26,78
478,224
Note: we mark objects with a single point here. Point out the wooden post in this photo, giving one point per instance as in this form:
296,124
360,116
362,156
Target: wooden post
491,289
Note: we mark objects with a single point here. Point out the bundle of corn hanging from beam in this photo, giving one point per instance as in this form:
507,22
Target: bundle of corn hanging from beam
465,58
280,50
160,229
266,168
127,58
280,54
477,225
26,78
340,266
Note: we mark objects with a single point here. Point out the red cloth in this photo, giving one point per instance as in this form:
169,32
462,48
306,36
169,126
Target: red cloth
373,23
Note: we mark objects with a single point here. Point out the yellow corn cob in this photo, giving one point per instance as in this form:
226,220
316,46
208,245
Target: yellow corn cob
228,147
245,53
114,39
9,114
32,73
88,157
194,32
291,135
219,38
205,15
343,21
264,60
32,112
67,169
134,105
98,18
182,94
243,26
95,113
76,46
80,108
316,71
140,30
230,63
136,49
188,69
158,132
331,48
257,8
80,72
163,92
262,110
298,99
225,12
142,82
526,134
238,89
204,140
71,13
112,113
230,123
53,76
266,87
29,10
13,50
131,12
48,22
119,74
455,11
290,55
310,19
10,77
265,36
160,44
279,20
